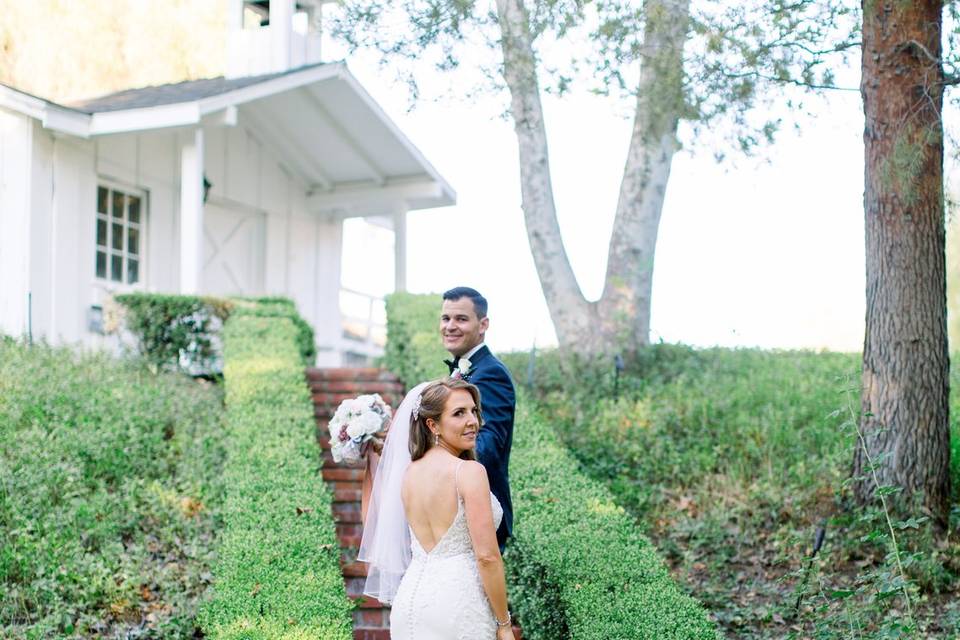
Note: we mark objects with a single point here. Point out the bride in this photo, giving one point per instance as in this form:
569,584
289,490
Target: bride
430,531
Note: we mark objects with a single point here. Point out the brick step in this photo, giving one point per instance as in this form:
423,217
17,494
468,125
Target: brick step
347,512
355,569
371,634
346,491
350,474
350,373
357,387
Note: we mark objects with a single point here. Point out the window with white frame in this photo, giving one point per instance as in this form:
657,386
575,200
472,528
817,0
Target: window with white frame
120,225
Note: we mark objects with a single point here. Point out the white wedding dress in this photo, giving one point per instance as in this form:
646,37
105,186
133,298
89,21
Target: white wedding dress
440,596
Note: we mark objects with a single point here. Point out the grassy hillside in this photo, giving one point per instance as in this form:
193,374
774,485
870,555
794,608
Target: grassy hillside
730,460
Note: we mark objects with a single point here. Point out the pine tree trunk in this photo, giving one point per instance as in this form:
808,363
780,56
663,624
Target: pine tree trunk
905,361
624,308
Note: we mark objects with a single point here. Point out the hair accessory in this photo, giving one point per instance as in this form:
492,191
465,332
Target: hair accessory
416,406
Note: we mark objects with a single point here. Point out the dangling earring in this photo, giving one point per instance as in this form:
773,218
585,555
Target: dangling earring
436,439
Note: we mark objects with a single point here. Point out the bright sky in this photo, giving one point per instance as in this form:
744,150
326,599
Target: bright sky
762,252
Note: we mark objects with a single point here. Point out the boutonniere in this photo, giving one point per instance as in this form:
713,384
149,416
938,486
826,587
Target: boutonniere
463,366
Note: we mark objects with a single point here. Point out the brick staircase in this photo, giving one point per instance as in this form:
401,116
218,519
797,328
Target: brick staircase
329,387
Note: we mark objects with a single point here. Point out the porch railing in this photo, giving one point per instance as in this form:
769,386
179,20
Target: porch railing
364,326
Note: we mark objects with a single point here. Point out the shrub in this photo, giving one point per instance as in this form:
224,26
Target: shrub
278,572
109,496
174,331
414,351
578,566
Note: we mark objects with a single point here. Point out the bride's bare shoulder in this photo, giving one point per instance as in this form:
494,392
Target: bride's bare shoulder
473,476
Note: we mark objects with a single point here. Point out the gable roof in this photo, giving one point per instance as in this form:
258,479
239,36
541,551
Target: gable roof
187,91
318,120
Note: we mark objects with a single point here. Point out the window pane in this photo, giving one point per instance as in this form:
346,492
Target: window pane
118,205
133,242
116,268
117,236
102,200
133,271
133,208
101,264
101,232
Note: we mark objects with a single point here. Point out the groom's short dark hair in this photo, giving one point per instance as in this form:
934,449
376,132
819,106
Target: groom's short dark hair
479,302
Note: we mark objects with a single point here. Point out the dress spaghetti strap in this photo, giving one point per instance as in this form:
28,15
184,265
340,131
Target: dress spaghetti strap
456,478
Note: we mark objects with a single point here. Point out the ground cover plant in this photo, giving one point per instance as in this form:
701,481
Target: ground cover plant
735,462
278,572
109,496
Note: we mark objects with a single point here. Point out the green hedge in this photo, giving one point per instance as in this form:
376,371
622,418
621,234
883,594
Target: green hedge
278,573
110,495
414,351
182,332
578,567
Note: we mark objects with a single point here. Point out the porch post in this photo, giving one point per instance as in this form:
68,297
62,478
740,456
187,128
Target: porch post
400,248
281,28
191,212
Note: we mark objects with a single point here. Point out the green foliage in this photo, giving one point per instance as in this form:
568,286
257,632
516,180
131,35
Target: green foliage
183,332
109,496
414,351
578,566
738,56
730,460
279,307
278,572
175,331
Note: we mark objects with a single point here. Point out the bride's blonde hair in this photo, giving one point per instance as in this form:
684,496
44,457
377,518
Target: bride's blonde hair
430,407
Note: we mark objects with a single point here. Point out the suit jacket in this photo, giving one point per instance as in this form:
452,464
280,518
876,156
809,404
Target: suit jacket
498,404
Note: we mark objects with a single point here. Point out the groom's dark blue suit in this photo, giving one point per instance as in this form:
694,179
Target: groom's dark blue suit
498,403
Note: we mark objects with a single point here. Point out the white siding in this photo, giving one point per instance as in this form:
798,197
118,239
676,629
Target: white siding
48,222
15,162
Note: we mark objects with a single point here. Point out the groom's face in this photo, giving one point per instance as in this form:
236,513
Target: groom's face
460,328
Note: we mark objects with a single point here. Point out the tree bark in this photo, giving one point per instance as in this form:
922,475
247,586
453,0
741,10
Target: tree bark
621,319
905,361
569,310
626,300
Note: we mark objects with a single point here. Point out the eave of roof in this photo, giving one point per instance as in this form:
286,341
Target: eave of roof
188,103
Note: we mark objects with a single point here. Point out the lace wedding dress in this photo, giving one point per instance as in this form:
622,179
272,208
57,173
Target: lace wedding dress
441,596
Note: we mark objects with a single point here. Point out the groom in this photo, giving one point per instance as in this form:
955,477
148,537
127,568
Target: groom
463,323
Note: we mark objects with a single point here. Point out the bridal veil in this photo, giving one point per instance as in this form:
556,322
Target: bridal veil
385,544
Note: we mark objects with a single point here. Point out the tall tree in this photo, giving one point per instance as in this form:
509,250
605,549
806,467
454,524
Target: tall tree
675,64
905,363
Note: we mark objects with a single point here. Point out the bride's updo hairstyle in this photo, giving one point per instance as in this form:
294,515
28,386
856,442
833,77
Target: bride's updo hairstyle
432,400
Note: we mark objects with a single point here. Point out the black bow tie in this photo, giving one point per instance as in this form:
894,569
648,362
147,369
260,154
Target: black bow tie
452,364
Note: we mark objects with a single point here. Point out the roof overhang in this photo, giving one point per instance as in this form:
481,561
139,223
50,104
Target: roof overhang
322,125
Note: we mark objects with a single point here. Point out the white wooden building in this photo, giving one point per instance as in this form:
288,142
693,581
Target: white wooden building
232,185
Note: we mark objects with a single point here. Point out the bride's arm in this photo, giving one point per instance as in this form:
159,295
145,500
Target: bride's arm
366,488
475,490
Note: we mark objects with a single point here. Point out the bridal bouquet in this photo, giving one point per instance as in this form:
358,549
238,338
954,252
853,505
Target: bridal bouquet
354,423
